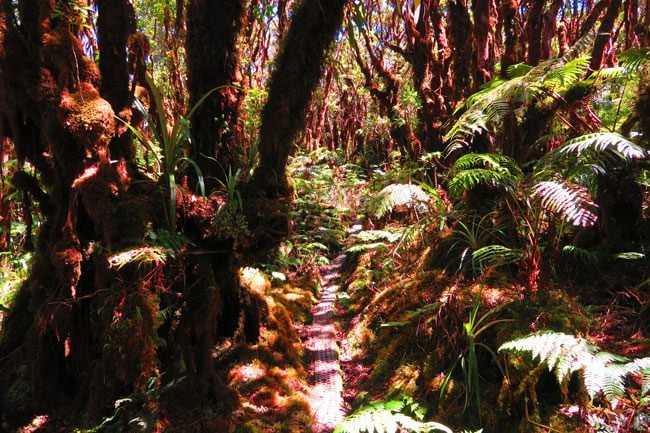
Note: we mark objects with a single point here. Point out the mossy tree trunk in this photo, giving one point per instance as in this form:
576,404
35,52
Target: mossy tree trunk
428,53
533,29
460,29
509,14
88,325
213,63
299,67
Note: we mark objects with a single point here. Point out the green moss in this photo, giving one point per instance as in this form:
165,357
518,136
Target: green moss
250,427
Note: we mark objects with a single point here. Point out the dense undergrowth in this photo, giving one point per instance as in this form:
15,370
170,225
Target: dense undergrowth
507,291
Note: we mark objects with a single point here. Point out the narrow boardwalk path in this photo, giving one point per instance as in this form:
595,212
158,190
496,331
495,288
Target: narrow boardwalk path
328,383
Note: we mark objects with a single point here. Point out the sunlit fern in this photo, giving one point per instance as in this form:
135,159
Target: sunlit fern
582,159
486,109
604,373
634,59
373,240
475,169
409,196
571,201
606,143
390,416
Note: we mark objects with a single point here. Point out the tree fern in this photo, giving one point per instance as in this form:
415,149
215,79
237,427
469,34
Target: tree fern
603,372
573,202
390,416
475,169
487,108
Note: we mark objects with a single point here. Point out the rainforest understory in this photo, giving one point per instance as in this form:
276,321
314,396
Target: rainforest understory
252,216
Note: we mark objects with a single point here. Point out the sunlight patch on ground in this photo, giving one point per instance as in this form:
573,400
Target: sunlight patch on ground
246,372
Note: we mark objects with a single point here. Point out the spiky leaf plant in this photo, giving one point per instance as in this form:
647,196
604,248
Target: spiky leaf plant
604,373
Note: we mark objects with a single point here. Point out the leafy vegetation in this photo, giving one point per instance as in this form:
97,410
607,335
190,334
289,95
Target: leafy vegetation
179,179
389,417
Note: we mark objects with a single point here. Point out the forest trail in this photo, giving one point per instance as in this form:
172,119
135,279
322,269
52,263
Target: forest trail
327,392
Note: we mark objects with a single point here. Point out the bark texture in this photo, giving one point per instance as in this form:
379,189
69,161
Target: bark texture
213,63
299,68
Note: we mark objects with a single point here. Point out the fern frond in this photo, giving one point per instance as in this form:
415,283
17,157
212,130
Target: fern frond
518,70
495,255
603,372
587,257
483,168
634,59
486,109
603,375
389,417
567,74
573,202
377,235
609,142
469,179
581,46
410,196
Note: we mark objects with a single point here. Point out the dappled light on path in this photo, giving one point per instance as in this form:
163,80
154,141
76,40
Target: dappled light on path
327,400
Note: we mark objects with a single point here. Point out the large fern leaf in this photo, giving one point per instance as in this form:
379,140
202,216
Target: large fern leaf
567,74
388,417
610,142
572,201
485,110
634,59
565,354
475,169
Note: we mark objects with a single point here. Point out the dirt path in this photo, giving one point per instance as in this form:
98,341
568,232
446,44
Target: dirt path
327,393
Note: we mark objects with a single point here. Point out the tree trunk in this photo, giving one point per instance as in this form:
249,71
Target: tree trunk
299,67
460,29
87,324
604,35
509,13
115,24
213,63
485,19
534,27
549,29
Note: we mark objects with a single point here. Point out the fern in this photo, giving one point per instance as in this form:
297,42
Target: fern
494,255
573,202
634,59
583,255
389,417
476,169
605,142
398,195
486,109
377,235
567,74
603,372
